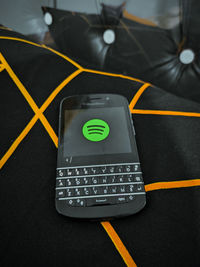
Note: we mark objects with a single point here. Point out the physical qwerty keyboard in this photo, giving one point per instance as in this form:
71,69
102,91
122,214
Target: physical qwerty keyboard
99,185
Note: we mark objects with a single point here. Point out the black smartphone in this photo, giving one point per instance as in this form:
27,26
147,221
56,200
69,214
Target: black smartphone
98,168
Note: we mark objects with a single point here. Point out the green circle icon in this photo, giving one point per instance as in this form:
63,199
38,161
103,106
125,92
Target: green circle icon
95,130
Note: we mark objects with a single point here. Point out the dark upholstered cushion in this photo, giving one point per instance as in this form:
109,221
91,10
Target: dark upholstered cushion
148,52
33,80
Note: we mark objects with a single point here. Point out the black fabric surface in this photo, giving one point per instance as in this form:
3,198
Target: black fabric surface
165,233
143,51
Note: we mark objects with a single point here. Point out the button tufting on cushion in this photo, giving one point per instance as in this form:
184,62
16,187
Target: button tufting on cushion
48,18
187,56
109,36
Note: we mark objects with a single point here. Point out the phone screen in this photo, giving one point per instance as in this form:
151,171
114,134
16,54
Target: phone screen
95,131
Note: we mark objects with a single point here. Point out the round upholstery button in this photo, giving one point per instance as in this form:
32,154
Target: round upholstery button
186,56
109,36
48,18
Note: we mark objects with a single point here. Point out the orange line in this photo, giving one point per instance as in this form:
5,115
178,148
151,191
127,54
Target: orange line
18,141
63,56
113,75
1,67
165,112
70,60
118,244
41,46
29,100
20,40
138,19
171,185
137,95
58,89
43,108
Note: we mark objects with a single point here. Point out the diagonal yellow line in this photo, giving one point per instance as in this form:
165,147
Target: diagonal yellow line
63,56
112,75
59,88
118,244
138,95
41,46
1,67
18,141
52,134
29,99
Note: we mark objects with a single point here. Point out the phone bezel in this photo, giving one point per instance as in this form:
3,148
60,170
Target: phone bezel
76,102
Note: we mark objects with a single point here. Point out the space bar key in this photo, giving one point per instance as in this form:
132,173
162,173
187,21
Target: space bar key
100,201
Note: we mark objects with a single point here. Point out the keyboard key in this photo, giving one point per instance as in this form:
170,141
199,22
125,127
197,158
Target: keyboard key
94,170
102,170
139,188
78,192
136,167
130,198
80,202
100,201
77,172
112,179
60,173
86,191
130,178
113,189
71,202
120,179
138,178
78,181
69,172
121,189
119,168
103,180
95,190
69,181
60,193
69,192
121,199
60,183
85,171
127,168
111,169
94,180
105,190
130,188
86,180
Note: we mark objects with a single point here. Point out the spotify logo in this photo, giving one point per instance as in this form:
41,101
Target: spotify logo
95,130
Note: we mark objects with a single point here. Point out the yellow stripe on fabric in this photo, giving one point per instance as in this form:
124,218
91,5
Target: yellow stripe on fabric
32,122
63,56
29,99
138,95
172,185
17,141
118,244
165,112
58,89
1,67
112,75
41,46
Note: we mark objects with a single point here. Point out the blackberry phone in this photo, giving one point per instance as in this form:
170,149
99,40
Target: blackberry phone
98,168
